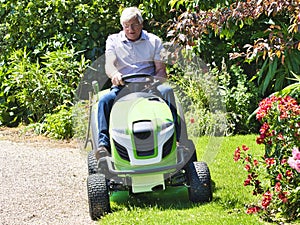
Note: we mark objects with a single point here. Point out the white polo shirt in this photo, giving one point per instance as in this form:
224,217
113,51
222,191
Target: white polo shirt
137,56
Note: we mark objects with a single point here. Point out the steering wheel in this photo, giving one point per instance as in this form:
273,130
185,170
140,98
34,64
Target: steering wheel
146,78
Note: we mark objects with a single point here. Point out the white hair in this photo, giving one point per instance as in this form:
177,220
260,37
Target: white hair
130,13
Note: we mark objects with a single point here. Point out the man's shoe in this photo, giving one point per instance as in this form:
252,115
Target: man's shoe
101,152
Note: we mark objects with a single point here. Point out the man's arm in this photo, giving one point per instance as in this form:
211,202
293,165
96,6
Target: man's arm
111,70
160,71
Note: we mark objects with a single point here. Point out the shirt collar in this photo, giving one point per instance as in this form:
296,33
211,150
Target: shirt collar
144,36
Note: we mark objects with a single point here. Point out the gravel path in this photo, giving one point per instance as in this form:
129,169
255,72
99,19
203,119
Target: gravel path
42,183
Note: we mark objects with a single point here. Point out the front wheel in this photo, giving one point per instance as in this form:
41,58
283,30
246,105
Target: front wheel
92,163
199,181
98,196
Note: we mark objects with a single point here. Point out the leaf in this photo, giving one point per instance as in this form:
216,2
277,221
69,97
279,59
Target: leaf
6,90
279,81
270,75
262,70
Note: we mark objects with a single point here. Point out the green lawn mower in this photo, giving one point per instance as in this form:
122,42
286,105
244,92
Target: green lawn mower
145,155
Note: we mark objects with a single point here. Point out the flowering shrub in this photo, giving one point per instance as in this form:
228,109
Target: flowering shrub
276,175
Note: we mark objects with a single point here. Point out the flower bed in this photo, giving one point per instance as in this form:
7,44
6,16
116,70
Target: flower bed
275,176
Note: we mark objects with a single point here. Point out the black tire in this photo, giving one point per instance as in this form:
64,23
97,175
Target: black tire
199,181
92,163
98,196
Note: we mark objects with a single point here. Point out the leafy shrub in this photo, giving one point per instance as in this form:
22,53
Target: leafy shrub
32,89
292,90
276,176
46,25
216,99
198,93
58,125
264,33
240,97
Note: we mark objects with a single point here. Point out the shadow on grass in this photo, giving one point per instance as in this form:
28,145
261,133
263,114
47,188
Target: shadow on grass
171,198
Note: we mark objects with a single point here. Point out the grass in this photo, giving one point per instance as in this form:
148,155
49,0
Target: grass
173,207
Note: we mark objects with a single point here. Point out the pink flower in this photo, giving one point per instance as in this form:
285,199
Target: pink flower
192,120
294,161
255,162
296,153
280,137
295,164
264,128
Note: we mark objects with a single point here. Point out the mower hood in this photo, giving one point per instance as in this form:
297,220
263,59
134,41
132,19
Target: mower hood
142,129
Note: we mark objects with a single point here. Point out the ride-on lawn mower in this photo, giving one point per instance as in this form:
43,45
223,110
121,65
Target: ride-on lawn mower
145,154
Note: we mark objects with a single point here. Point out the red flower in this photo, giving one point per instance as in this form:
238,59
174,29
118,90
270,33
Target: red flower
192,120
289,173
247,159
264,128
279,176
237,154
254,209
283,196
264,106
245,148
283,161
278,187
260,140
247,182
255,162
247,167
267,197
270,161
280,137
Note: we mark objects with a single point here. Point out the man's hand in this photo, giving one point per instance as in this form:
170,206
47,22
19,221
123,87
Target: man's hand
117,79
160,79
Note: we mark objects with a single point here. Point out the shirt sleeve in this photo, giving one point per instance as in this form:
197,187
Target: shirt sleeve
110,45
158,49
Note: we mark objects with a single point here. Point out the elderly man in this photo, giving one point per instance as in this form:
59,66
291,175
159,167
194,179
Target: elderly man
132,50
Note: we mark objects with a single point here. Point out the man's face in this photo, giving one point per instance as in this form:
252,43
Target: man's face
132,29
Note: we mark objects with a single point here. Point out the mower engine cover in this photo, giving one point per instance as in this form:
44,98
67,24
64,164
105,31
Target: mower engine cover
142,132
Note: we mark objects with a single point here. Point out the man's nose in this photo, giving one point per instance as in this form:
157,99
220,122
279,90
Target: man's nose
131,27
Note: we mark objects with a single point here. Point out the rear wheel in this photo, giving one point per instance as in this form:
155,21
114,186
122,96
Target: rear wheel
199,182
98,196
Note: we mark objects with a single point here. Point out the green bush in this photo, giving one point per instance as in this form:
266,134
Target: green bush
240,97
217,102
263,36
58,125
42,48
32,89
45,25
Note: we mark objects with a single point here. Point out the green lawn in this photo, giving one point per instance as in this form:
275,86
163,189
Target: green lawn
173,207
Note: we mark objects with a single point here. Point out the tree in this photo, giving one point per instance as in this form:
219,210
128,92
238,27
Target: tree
269,30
